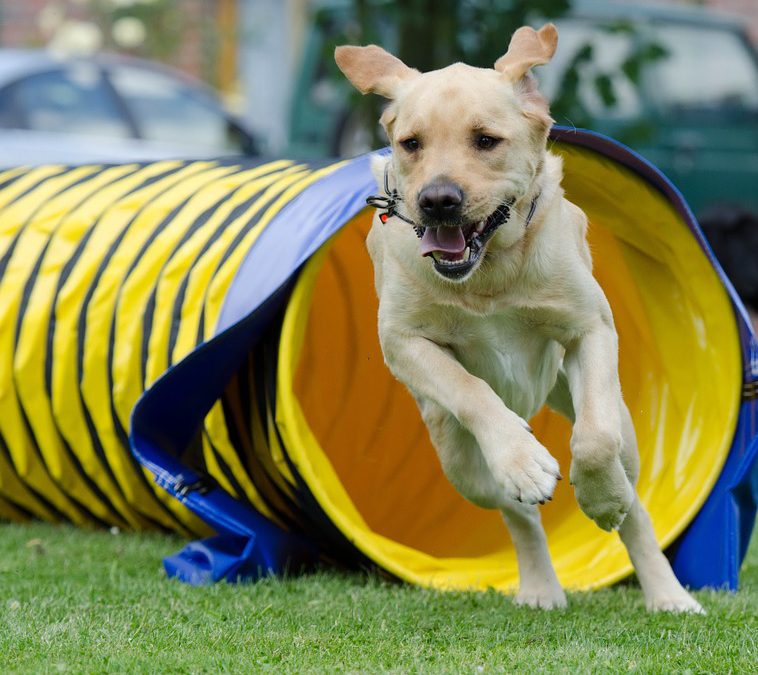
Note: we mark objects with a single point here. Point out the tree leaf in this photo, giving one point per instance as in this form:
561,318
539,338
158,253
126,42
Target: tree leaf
605,89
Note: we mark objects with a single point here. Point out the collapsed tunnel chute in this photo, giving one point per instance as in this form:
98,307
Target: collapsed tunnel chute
219,318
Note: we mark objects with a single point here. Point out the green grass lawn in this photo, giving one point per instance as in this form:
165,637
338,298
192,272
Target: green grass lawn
81,601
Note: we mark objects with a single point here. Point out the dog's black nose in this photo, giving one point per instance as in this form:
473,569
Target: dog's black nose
441,200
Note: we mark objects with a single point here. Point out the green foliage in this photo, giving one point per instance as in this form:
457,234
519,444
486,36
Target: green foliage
434,33
163,21
429,34
586,71
167,25
82,601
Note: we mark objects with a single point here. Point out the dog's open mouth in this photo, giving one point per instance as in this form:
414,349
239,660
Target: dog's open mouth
456,249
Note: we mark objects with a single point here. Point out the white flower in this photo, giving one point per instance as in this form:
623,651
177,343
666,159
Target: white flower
128,32
76,37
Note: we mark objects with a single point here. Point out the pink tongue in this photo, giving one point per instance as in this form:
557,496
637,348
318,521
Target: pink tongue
443,240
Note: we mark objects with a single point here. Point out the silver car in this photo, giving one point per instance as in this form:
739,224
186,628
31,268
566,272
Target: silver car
108,108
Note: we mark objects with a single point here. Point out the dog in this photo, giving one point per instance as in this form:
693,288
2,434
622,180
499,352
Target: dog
488,308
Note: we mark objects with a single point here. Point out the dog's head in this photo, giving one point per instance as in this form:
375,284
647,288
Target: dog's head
467,143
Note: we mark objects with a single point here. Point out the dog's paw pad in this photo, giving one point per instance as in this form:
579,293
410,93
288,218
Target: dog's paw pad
605,496
608,519
611,519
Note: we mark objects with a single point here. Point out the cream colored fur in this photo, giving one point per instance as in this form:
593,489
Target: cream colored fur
528,324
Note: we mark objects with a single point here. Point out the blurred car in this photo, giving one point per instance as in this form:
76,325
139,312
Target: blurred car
693,111
108,108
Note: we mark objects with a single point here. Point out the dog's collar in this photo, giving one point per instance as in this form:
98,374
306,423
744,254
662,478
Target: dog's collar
387,205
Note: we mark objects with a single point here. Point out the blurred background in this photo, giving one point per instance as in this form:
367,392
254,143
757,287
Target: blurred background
116,80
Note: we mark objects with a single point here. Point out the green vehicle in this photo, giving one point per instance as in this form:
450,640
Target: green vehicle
692,109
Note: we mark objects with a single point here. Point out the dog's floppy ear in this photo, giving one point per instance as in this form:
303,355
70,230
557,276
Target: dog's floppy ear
528,48
373,70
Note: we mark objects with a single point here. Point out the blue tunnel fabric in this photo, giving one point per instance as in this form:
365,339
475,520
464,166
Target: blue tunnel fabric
248,544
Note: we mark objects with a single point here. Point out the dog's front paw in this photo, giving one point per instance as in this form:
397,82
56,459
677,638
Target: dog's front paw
603,491
527,472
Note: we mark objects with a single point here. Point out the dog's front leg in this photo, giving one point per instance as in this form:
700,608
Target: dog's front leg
601,466
523,469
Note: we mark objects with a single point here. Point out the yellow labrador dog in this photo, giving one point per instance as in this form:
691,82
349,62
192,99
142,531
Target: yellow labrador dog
488,307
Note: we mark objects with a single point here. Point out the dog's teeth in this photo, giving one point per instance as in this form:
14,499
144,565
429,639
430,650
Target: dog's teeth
452,262
480,227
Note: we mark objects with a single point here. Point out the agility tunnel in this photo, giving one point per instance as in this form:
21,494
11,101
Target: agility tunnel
191,346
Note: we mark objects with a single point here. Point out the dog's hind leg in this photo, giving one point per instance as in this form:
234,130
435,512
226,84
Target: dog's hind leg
465,466
538,583
559,398
661,588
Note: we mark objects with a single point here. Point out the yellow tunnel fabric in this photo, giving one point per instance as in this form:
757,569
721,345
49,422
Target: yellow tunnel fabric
108,276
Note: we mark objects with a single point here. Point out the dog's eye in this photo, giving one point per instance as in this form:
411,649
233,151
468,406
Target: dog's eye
410,144
484,142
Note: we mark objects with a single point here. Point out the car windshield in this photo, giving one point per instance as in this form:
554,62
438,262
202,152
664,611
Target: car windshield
167,110
706,68
71,100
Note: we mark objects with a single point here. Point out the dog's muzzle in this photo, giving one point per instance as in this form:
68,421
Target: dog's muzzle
456,249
